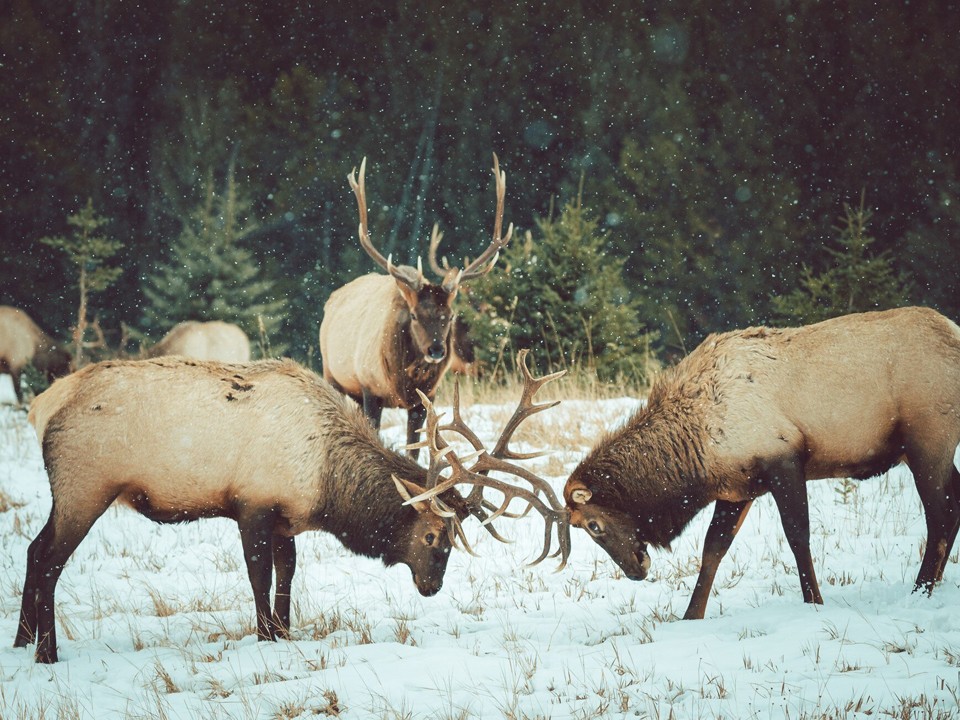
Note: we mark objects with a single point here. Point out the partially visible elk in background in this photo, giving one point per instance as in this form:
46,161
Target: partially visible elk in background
269,444
23,343
766,410
383,338
213,340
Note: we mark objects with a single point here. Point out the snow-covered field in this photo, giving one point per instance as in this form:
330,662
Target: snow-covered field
157,621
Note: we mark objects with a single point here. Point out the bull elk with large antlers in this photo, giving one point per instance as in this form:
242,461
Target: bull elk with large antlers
386,338
765,410
269,444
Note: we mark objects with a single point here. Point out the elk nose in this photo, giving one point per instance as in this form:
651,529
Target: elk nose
436,352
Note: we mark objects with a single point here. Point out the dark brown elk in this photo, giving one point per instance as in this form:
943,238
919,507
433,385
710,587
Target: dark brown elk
213,340
765,410
383,338
23,343
268,444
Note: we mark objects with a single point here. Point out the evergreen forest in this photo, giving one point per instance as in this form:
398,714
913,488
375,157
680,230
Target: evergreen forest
673,169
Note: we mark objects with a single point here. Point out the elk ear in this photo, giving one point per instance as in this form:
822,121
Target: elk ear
408,490
580,494
409,293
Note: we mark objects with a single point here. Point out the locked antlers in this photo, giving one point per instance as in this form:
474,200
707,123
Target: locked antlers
442,456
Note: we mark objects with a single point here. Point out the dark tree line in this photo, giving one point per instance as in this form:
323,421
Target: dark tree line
716,144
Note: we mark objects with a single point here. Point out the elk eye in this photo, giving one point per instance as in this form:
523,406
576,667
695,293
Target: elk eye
594,527
429,539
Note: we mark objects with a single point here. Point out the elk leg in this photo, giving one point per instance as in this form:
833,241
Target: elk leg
372,407
416,419
789,489
727,519
46,556
18,391
955,497
285,564
256,537
27,629
942,511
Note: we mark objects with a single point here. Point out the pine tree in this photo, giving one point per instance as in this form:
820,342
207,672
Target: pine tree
560,295
87,251
703,213
210,275
855,280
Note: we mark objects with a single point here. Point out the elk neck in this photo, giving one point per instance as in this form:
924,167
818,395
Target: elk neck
361,505
653,468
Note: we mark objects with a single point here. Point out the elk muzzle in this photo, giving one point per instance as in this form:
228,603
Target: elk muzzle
436,352
428,571
615,533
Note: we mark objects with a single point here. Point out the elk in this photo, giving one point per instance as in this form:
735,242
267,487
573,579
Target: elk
765,410
23,343
213,340
383,338
268,443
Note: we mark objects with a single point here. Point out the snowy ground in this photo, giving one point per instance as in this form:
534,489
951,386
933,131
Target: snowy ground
157,621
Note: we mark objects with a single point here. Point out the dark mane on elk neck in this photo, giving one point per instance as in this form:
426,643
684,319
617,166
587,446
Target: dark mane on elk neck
652,461
645,465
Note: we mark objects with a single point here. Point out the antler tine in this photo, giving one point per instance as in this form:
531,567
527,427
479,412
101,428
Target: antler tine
360,190
549,506
553,514
435,237
408,275
525,409
483,263
436,446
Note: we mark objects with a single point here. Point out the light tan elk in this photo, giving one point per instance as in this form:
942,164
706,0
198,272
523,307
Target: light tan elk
383,338
213,340
23,343
765,410
268,444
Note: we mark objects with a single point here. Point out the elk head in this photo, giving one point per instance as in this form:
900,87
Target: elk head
430,306
613,530
430,537
442,457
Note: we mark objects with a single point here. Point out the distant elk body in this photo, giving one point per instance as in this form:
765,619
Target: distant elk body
383,338
213,340
268,444
23,343
765,410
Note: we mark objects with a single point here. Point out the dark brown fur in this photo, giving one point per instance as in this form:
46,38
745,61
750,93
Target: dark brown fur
268,444
765,410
